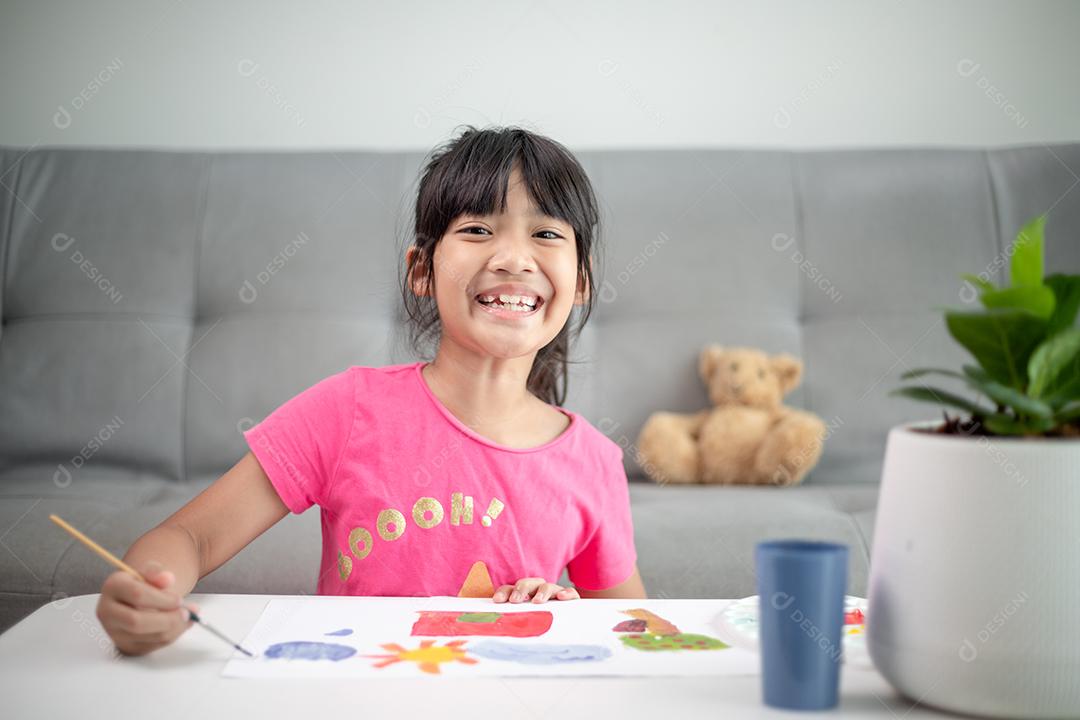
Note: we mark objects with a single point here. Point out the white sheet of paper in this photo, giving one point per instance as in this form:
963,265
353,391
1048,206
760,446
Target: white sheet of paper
347,635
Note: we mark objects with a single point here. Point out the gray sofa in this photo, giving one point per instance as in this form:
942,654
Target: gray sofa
155,304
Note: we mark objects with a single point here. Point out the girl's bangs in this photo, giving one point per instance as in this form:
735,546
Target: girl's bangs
476,182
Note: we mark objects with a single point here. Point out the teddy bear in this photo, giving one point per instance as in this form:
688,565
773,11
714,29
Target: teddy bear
749,437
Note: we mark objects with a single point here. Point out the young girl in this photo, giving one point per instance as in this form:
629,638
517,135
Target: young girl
421,470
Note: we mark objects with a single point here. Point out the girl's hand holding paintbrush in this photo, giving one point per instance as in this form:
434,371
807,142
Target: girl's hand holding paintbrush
140,609
142,617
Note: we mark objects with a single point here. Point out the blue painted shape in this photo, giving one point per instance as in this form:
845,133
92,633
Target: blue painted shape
538,653
303,650
340,633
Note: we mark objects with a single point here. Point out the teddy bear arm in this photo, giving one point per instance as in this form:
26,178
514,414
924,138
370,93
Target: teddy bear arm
729,442
667,447
790,450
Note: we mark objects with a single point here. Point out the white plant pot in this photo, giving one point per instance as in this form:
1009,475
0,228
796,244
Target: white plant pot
974,600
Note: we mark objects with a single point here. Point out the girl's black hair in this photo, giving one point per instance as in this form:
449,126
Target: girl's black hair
470,174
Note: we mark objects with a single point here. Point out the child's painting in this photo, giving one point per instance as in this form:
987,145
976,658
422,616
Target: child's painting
438,637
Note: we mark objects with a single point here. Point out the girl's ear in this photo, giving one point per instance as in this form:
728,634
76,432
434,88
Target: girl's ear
581,296
415,271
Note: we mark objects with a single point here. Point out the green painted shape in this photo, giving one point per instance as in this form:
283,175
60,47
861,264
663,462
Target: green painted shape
479,617
681,641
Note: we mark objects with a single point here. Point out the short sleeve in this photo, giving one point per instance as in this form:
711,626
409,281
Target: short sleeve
609,556
300,443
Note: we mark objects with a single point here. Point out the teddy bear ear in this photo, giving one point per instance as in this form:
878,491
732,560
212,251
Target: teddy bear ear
710,356
788,368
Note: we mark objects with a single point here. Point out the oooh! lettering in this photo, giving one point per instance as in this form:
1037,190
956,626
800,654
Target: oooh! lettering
427,513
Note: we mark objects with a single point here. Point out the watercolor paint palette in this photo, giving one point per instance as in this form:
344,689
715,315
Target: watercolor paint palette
340,636
738,624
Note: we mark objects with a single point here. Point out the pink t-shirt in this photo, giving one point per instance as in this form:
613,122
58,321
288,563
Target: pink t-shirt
411,497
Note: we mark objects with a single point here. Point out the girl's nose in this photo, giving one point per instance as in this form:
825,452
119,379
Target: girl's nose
512,255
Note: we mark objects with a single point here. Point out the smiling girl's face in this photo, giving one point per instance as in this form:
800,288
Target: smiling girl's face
505,284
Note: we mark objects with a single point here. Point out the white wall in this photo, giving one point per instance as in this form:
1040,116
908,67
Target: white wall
201,74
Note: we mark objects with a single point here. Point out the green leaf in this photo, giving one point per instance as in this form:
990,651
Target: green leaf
1007,425
941,397
977,379
975,372
1001,340
984,285
1068,414
1057,402
1054,367
1036,299
1026,267
1013,398
1067,293
919,372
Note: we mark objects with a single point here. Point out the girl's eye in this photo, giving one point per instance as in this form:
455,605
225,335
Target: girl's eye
551,233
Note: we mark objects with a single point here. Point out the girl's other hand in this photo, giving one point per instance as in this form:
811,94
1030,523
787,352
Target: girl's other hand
536,588
141,617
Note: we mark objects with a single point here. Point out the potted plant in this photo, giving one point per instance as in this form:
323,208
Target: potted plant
974,600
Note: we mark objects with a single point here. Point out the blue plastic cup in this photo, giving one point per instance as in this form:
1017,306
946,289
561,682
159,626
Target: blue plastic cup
801,587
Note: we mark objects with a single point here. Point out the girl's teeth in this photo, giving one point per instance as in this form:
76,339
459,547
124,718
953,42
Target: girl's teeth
511,307
517,303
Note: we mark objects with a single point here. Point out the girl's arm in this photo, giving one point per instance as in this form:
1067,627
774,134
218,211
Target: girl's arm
632,587
213,526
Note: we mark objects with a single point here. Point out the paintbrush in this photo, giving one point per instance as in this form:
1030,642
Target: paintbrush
120,564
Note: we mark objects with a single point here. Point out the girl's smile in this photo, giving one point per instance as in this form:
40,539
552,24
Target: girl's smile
511,301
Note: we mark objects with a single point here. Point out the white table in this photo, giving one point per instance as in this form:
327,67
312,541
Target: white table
58,662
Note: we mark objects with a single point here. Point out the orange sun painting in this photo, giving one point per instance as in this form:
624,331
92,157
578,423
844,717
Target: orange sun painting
428,656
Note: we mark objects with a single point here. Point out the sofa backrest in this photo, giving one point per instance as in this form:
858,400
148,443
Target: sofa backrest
154,304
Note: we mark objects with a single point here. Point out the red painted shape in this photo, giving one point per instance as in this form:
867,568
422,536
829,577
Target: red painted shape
855,617
518,624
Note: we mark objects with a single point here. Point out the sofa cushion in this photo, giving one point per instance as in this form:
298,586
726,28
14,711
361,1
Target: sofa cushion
698,541
33,548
